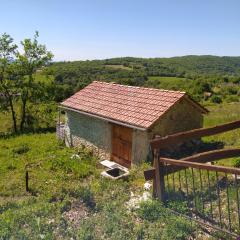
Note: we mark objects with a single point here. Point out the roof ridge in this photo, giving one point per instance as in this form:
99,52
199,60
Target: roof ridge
130,86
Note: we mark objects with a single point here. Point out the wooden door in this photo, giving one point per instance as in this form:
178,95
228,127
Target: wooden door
121,145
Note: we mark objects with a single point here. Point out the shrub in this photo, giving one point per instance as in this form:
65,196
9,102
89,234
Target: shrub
9,205
66,206
237,163
85,194
151,210
180,206
216,99
86,231
232,90
21,149
81,167
232,98
177,229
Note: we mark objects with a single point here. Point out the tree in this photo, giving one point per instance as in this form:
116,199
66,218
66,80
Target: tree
34,57
7,74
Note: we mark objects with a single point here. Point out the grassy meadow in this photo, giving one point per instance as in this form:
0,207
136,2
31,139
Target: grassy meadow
121,67
69,199
220,114
175,83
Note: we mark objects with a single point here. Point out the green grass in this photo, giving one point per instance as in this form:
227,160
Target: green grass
166,79
121,67
41,77
173,83
44,116
5,122
61,187
48,163
220,114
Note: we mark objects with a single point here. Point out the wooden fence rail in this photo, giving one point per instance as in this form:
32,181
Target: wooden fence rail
215,168
173,139
204,157
195,165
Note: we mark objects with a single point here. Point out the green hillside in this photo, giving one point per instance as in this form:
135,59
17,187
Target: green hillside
219,77
69,199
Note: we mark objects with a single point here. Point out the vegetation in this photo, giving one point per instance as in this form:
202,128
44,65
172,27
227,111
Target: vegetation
27,79
69,199
17,71
206,78
220,114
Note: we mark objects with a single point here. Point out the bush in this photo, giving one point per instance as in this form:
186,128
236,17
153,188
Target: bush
216,99
66,206
21,149
151,210
80,167
178,229
232,90
85,194
232,98
237,163
86,231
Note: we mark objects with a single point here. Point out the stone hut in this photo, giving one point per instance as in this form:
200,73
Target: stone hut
119,121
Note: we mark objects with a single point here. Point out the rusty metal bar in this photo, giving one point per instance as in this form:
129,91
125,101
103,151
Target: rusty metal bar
173,179
27,179
185,171
237,199
201,187
179,179
167,180
219,199
194,193
209,188
228,205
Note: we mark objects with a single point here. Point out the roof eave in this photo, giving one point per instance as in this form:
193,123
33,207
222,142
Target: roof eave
103,118
196,104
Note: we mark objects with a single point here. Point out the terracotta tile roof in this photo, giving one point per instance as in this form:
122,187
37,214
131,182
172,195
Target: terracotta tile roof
136,106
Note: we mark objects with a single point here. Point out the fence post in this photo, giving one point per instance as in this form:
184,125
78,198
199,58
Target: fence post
158,182
27,189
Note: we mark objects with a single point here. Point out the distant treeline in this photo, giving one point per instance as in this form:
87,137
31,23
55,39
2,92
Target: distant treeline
208,78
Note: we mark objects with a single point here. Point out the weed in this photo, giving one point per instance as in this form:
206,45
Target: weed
237,163
21,149
151,210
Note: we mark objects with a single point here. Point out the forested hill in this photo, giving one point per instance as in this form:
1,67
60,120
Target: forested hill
203,65
207,65
203,77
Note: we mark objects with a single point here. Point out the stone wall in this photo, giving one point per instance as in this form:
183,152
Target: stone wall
182,116
88,131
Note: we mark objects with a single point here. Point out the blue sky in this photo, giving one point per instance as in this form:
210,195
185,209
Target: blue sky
97,29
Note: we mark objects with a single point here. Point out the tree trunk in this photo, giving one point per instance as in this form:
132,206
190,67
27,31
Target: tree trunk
10,101
13,115
9,98
23,115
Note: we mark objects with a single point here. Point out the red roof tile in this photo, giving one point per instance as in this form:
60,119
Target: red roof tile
135,106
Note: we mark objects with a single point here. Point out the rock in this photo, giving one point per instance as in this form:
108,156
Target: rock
75,156
147,186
